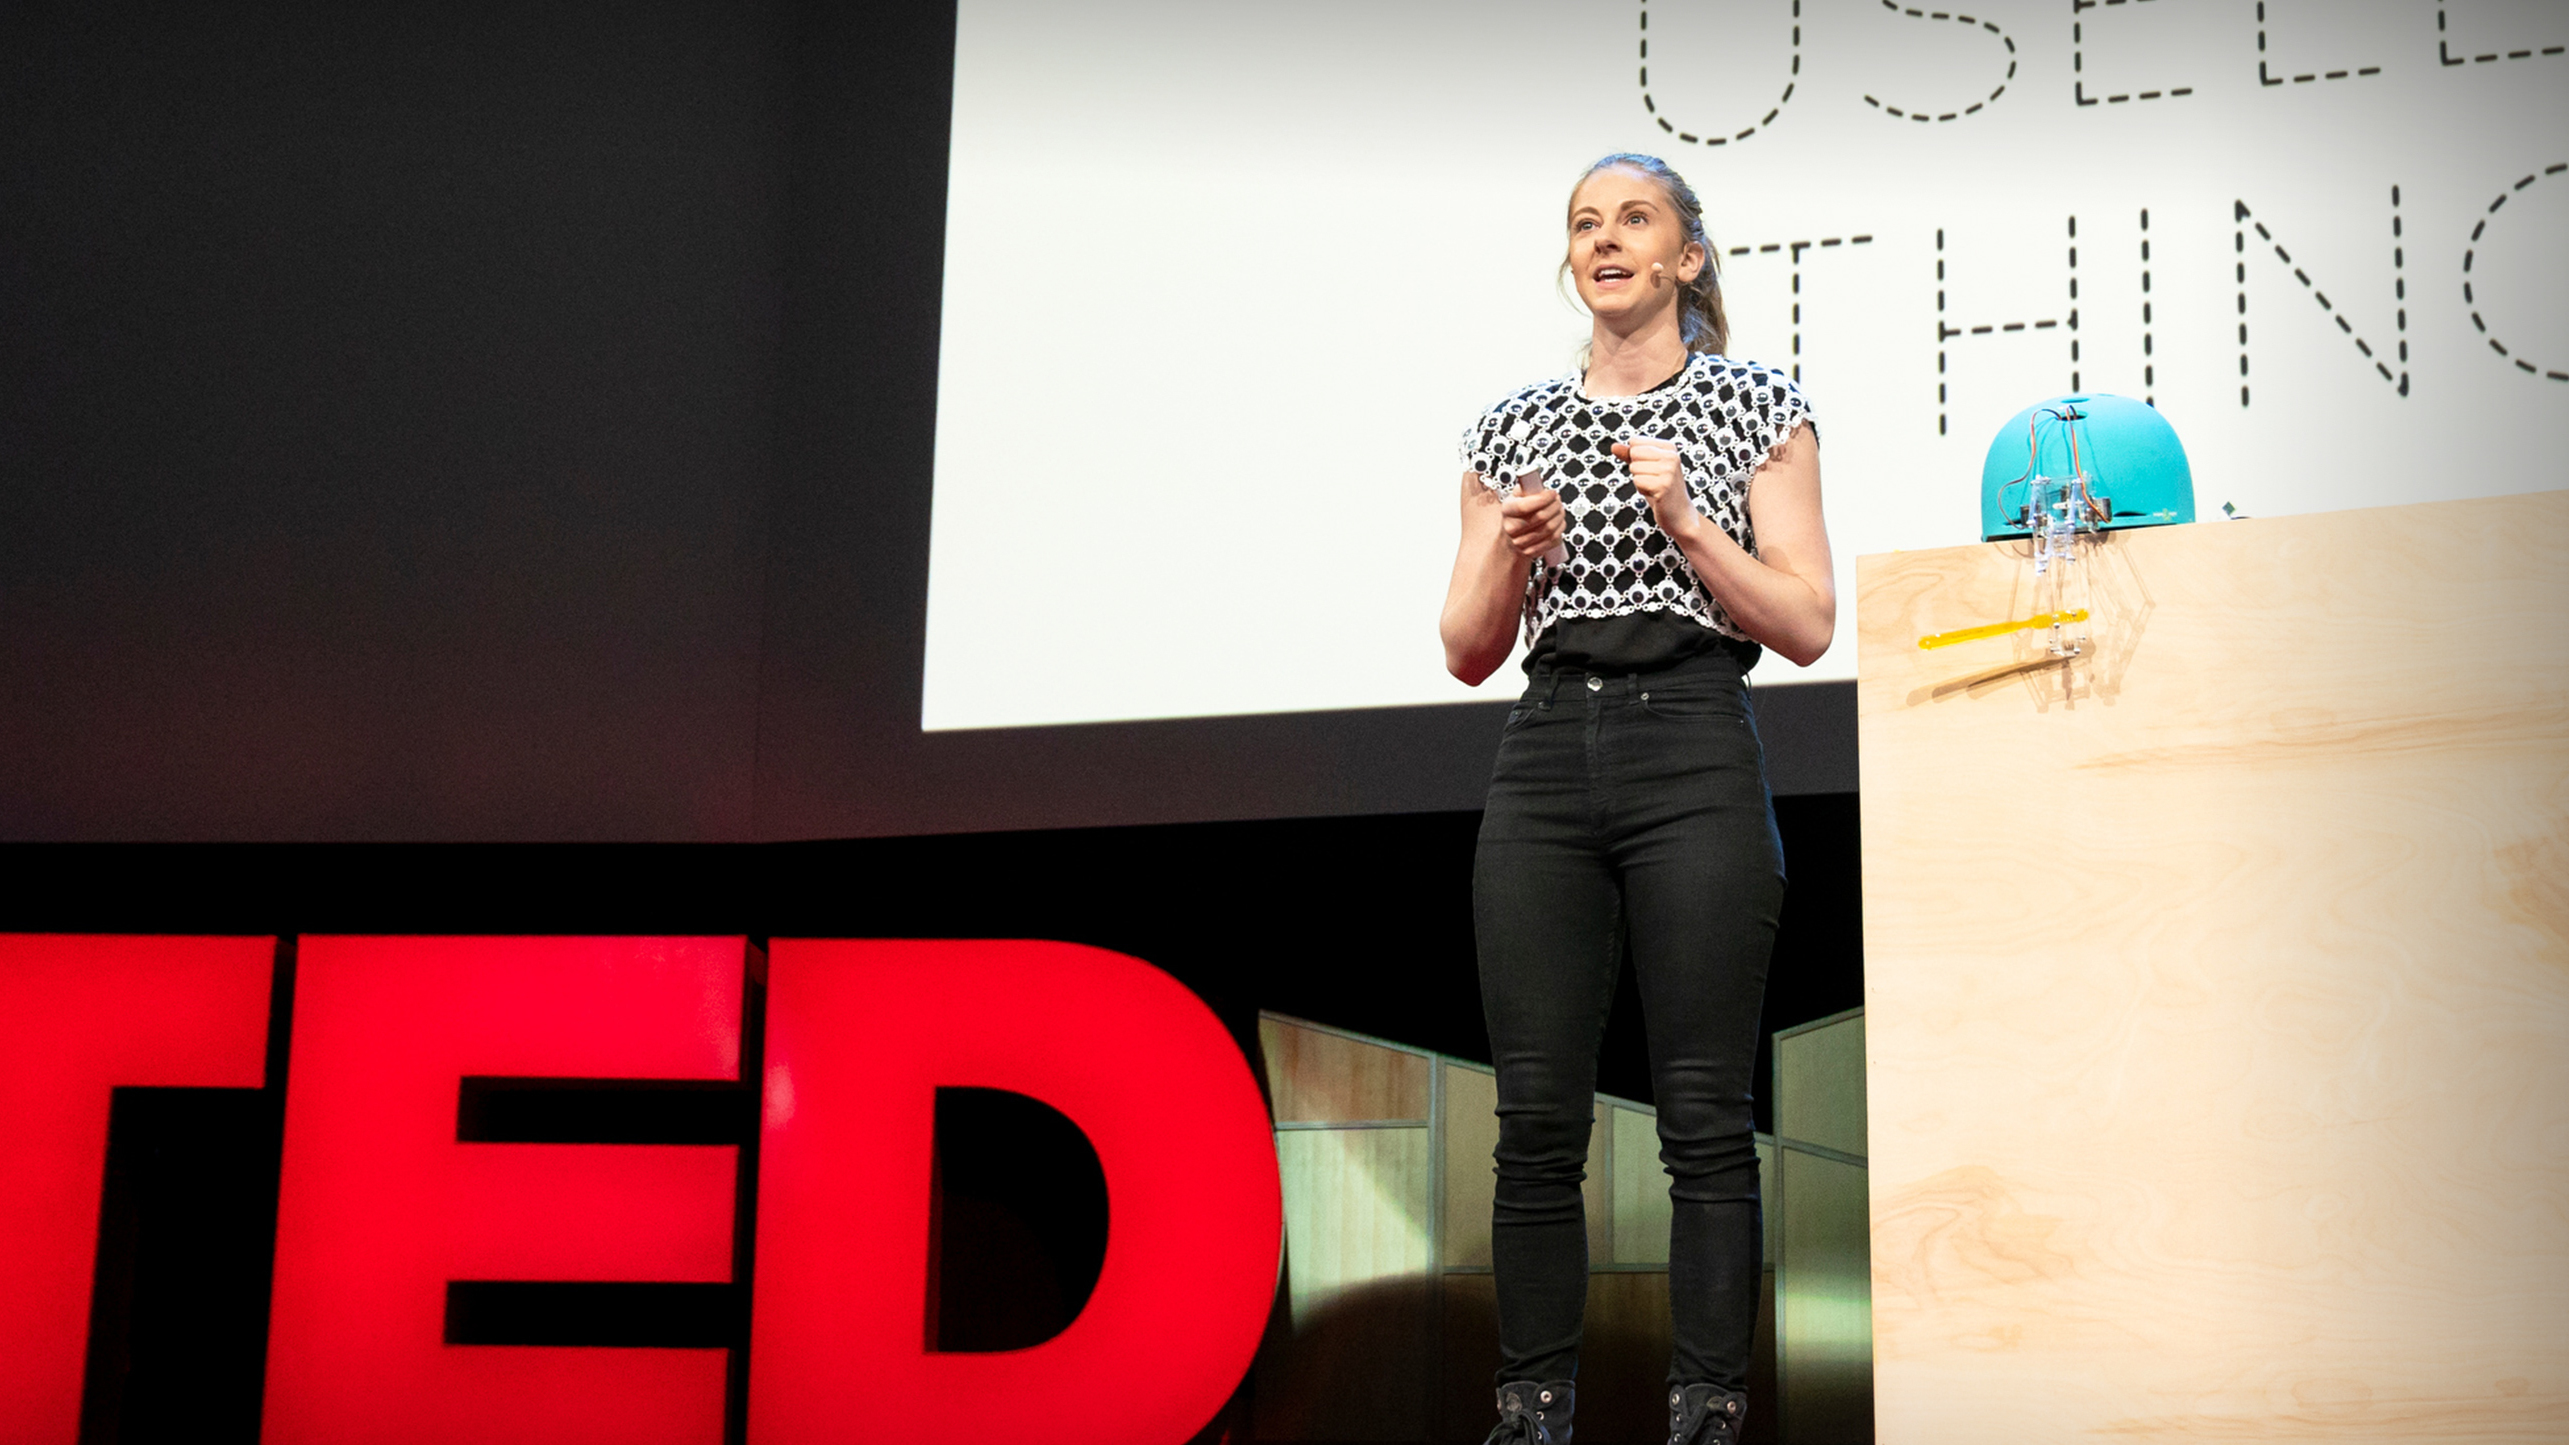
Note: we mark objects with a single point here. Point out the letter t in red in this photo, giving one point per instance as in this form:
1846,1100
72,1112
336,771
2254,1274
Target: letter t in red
79,1017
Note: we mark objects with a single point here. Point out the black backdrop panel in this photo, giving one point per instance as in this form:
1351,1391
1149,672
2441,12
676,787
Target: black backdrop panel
388,405
433,423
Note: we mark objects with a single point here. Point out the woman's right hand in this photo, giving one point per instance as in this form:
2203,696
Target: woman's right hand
1532,520
1487,595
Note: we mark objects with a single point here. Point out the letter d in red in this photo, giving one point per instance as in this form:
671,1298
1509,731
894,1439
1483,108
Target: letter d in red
860,1037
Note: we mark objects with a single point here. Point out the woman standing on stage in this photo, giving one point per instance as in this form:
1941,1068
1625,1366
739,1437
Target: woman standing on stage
1652,522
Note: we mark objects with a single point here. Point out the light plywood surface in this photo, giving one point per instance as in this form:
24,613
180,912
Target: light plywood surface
2217,986
1320,1077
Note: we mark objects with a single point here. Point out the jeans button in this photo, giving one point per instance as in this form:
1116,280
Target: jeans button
1596,684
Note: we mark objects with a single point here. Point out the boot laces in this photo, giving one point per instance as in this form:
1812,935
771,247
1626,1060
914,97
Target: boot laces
1517,1425
1715,1424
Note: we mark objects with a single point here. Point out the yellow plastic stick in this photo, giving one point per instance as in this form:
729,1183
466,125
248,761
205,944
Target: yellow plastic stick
1999,629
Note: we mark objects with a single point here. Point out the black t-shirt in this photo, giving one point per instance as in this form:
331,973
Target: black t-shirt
1636,642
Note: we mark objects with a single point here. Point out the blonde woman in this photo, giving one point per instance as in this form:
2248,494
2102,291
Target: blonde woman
1649,525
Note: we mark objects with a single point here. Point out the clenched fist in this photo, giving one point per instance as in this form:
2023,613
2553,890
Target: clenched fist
1532,520
1657,475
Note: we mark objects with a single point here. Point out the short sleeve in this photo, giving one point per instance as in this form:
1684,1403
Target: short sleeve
1507,439
1780,410
1484,445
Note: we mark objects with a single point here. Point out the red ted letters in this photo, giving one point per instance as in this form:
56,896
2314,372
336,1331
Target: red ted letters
381,1207
80,1017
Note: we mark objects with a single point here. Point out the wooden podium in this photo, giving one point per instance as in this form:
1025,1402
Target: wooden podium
2218,985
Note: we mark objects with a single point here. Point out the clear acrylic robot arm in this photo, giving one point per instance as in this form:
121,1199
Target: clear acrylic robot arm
2061,516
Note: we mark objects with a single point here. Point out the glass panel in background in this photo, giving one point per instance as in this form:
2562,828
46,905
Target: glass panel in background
1824,1303
1819,1235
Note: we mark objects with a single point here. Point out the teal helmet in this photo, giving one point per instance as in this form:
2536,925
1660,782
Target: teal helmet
2129,453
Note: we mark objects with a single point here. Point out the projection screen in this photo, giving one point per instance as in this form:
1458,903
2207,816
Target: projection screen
1224,283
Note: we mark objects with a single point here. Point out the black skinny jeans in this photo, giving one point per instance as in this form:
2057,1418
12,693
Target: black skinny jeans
1627,812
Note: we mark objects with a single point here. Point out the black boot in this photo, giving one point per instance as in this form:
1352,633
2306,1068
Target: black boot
1532,1414
1705,1415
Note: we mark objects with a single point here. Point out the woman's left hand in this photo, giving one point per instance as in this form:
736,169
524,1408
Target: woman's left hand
1661,480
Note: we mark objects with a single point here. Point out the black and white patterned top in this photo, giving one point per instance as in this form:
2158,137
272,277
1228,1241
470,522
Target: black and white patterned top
1725,418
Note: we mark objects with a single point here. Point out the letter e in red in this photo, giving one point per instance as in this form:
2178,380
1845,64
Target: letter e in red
380,1207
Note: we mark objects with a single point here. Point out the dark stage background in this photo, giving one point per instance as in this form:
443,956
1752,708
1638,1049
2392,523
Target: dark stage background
466,469
499,424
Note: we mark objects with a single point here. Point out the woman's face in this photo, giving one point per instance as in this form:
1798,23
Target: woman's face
1620,226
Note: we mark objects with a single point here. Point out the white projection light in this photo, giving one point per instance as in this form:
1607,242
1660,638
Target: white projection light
1225,282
